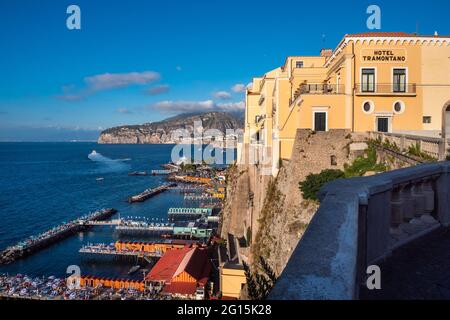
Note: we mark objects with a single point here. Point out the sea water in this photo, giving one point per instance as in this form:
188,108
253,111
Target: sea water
45,184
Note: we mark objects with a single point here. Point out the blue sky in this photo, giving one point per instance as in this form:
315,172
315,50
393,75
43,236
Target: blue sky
138,61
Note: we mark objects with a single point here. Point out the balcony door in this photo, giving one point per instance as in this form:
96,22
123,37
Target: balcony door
383,124
399,80
320,121
368,79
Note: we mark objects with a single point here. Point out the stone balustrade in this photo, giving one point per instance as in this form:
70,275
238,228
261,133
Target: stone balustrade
433,147
359,223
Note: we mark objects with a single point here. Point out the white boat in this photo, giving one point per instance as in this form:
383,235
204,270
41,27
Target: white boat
134,269
100,179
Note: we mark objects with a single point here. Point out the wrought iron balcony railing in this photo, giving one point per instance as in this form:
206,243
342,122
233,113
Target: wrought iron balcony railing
386,88
318,88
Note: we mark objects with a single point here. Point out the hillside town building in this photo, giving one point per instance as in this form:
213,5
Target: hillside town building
390,82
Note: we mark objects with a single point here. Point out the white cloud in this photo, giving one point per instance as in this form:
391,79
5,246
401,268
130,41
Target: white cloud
223,95
197,106
163,88
71,97
123,111
108,81
232,106
239,88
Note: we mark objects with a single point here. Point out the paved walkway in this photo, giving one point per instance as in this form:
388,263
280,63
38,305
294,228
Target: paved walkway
419,271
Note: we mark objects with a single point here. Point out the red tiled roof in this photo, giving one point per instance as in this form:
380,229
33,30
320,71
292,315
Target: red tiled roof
198,266
180,288
228,298
391,34
166,267
381,34
191,260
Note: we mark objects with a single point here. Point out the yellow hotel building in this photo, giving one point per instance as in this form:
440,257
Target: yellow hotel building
389,82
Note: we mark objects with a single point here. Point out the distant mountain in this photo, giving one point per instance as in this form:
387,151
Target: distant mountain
161,132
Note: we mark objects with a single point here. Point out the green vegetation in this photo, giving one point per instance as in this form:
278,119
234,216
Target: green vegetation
259,285
187,167
391,146
269,210
416,151
249,236
360,166
311,186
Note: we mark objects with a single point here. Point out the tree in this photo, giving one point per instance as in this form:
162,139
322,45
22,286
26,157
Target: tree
314,182
259,285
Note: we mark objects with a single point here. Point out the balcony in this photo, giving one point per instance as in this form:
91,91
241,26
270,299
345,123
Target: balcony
388,89
319,88
259,119
261,100
361,222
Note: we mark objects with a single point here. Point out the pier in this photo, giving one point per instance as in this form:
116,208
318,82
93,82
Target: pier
133,227
145,250
162,172
115,222
107,250
149,193
189,212
35,243
190,179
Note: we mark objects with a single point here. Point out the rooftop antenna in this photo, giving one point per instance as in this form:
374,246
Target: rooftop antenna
324,39
417,27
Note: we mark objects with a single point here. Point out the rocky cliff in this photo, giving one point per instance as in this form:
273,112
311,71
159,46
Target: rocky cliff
270,213
161,132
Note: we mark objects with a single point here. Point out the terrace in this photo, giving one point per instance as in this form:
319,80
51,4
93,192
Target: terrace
394,220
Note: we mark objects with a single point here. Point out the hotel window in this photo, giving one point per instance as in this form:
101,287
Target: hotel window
299,64
368,80
320,121
427,119
383,124
399,80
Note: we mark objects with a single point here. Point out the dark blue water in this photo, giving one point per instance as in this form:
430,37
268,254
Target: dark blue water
45,184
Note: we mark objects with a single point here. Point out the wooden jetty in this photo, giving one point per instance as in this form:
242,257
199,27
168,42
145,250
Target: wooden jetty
149,193
102,250
35,243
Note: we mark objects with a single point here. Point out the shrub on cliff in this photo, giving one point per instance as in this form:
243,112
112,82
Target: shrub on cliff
311,186
362,165
259,284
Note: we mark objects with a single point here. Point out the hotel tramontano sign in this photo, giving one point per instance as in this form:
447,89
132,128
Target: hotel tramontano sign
383,55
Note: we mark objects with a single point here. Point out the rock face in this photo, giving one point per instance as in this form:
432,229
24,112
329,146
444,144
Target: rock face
161,132
270,213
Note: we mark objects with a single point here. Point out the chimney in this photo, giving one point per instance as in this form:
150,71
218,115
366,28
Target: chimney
326,53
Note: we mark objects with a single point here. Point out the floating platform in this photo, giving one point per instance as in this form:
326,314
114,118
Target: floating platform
162,172
149,193
35,243
104,250
190,213
138,173
144,229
